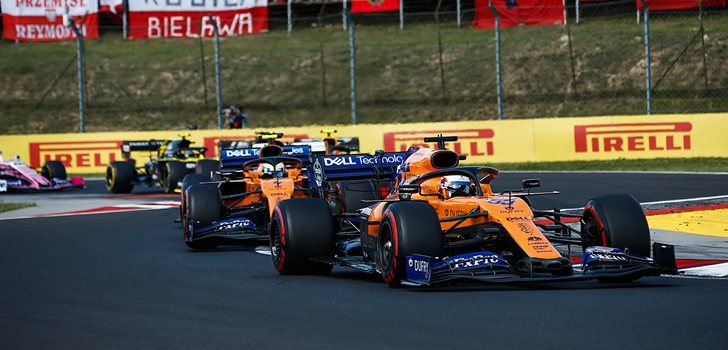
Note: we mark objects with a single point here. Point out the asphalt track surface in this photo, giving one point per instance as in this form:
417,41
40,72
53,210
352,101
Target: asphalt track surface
126,281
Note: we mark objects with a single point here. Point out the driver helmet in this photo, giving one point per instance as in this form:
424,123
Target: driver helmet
455,185
268,170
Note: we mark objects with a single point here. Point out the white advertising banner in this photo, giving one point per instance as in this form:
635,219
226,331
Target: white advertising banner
150,19
42,20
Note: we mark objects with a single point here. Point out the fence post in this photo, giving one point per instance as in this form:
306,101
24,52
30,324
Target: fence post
218,77
702,40
498,70
439,53
578,10
571,55
288,15
344,16
125,18
401,14
81,67
202,67
457,8
352,67
648,60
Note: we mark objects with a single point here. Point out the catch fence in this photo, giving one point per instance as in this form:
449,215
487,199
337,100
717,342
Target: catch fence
428,65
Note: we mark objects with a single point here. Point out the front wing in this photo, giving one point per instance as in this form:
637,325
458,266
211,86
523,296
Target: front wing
598,263
232,229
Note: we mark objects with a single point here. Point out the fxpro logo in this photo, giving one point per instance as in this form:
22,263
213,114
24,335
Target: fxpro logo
473,142
632,137
75,154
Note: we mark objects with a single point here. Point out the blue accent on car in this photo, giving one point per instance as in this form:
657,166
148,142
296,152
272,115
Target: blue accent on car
354,166
473,260
236,157
597,255
418,268
234,224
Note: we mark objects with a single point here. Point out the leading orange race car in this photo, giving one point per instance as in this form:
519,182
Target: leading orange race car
442,223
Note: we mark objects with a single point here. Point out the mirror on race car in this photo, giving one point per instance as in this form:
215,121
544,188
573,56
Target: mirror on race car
531,183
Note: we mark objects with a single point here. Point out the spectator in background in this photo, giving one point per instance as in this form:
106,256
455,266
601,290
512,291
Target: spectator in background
237,118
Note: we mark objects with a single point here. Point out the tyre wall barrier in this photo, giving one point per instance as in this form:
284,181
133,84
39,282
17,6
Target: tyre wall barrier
486,141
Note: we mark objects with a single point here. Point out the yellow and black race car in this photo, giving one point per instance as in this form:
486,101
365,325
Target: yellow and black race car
167,164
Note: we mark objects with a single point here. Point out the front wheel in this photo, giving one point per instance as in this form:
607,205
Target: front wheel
189,180
203,207
54,169
300,230
616,221
407,228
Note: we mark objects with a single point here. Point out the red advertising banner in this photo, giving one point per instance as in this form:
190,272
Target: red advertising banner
191,18
518,12
679,4
364,6
111,6
42,20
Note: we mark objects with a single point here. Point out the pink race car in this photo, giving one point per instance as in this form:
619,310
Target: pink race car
17,176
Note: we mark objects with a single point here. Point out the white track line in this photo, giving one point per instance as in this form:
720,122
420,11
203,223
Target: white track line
724,196
717,270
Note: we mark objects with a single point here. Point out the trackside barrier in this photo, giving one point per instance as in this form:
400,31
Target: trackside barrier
488,141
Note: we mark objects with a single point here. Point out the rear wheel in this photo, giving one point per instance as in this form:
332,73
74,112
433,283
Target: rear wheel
407,228
207,167
174,172
53,169
120,177
302,229
203,207
351,194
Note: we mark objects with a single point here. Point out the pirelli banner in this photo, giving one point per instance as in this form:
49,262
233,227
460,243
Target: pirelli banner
42,20
507,141
150,19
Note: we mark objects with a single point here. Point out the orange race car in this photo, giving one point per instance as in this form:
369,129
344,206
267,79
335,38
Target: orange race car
237,205
443,223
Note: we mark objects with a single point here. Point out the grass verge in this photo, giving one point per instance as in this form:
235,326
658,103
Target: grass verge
14,206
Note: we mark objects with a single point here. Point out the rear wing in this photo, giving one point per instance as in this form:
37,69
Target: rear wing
234,158
353,167
134,146
349,144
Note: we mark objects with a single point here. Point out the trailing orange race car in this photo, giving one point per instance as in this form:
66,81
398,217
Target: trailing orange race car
443,223
237,204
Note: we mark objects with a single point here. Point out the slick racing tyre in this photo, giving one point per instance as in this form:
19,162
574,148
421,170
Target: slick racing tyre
189,180
208,167
193,179
203,207
407,228
174,172
617,221
120,177
53,169
302,229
